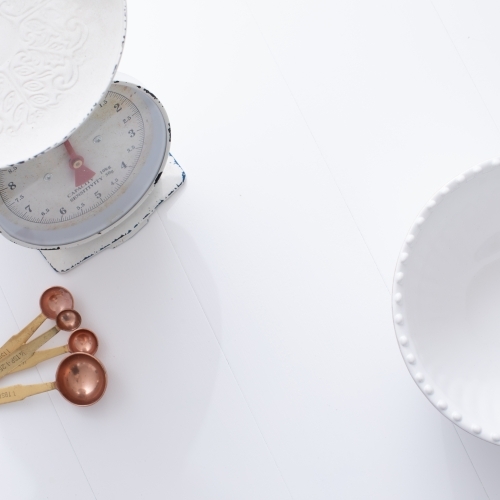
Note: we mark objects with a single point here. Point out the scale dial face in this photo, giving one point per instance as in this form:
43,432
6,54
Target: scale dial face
85,186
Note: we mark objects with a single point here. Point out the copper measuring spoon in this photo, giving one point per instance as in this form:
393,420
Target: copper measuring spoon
79,341
52,302
80,378
68,320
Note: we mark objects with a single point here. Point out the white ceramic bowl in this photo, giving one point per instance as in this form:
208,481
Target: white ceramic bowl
446,301
57,59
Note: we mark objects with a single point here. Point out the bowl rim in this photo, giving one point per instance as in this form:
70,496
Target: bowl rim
403,334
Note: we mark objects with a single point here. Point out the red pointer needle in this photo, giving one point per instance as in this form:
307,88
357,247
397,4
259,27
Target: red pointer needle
82,173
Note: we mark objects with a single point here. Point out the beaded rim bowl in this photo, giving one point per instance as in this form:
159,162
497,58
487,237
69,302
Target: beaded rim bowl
446,301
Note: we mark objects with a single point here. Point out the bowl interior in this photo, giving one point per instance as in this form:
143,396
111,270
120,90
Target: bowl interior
451,296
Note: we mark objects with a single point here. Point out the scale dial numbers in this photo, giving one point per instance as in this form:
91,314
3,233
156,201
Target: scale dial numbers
47,193
120,150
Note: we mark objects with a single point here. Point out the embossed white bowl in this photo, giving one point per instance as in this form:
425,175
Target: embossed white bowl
446,301
57,59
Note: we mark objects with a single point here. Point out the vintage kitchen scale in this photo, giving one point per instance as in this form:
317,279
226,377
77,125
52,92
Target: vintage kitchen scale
84,152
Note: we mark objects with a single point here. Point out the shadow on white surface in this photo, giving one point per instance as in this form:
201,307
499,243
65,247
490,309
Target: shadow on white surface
161,376
456,454
173,418
486,459
21,482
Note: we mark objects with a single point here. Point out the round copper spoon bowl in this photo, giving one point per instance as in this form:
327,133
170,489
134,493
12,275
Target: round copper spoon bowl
80,378
68,320
53,301
83,341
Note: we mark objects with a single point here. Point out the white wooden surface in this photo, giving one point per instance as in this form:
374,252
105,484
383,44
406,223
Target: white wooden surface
247,330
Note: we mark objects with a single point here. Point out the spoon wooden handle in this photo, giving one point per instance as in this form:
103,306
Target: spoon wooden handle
20,392
40,356
16,341
19,356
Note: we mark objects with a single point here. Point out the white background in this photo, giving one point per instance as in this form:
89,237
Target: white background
247,329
